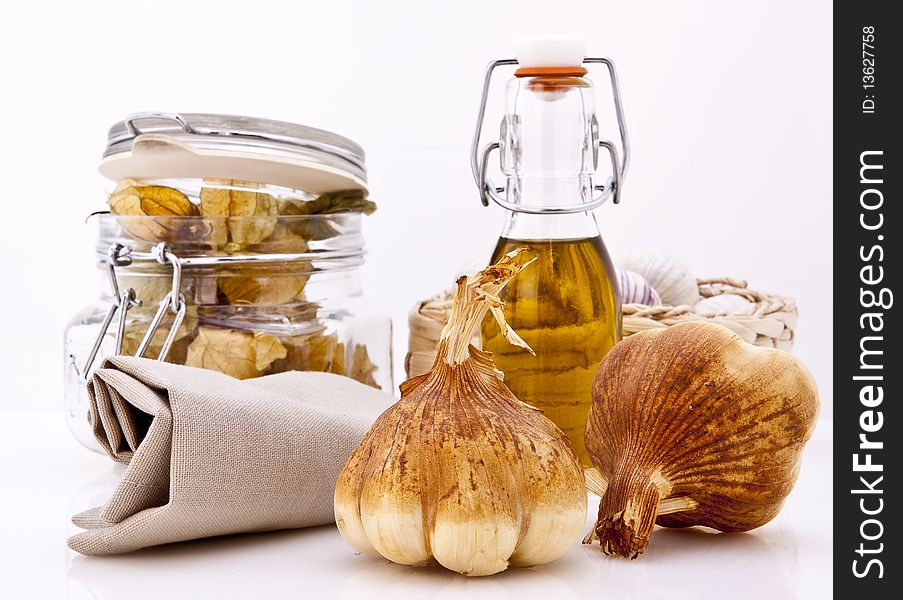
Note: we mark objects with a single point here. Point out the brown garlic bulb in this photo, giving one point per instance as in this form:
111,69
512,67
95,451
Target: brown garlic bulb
694,420
459,471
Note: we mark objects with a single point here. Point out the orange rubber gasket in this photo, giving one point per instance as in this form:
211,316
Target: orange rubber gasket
577,71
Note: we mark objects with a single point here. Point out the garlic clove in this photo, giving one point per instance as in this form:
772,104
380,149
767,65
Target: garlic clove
476,526
392,530
390,506
553,525
393,522
349,523
347,503
551,532
474,546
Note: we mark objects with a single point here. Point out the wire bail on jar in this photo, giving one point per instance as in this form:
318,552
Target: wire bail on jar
174,301
122,302
120,255
479,160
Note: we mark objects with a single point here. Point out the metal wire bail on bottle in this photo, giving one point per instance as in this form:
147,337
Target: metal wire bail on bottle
479,160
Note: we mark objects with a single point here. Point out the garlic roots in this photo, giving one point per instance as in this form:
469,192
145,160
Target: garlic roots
693,419
459,471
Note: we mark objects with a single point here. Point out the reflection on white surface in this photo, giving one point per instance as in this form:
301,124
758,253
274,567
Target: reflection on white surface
386,581
55,478
692,563
314,563
786,559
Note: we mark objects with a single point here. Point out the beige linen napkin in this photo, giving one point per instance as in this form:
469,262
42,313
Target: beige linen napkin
211,455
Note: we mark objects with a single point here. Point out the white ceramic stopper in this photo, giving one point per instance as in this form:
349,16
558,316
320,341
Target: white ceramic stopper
550,51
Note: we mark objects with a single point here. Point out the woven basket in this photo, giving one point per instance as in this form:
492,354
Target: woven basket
768,322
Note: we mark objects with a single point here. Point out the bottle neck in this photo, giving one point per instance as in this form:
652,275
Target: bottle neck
526,226
548,155
549,191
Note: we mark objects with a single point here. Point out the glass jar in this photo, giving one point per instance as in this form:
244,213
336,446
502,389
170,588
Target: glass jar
234,274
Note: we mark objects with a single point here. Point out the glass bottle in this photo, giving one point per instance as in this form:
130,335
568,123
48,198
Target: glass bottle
566,305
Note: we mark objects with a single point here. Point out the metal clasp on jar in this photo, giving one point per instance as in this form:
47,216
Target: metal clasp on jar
121,256
174,302
122,302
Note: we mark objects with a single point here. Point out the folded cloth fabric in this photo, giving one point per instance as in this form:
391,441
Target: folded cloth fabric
211,455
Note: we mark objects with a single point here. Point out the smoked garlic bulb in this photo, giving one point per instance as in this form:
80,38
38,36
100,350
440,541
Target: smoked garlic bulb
459,471
690,425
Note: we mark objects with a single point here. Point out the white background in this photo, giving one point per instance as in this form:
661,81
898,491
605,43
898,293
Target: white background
728,106
729,110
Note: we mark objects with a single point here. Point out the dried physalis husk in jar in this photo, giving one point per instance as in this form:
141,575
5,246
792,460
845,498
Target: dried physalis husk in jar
273,284
178,351
338,360
132,199
151,288
311,352
264,286
324,352
333,202
233,198
362,369
326,204
241,354
283,240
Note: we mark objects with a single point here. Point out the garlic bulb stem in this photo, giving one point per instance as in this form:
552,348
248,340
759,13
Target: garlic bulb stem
627,512
597,484
475,297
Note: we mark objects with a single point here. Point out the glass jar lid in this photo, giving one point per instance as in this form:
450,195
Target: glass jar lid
159,145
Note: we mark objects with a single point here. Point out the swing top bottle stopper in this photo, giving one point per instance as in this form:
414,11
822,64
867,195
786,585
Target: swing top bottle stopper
549,80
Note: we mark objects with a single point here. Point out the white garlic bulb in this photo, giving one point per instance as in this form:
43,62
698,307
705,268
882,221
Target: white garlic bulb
724,304
668,276
636,290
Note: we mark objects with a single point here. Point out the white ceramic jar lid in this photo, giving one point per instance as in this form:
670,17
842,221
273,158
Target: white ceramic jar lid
173,145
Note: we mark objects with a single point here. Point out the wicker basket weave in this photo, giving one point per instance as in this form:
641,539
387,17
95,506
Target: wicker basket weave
768,322
426,321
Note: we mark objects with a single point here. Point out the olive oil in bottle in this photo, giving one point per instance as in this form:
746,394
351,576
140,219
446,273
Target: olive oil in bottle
566,305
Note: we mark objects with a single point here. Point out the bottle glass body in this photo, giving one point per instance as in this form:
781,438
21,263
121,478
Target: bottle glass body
566,306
